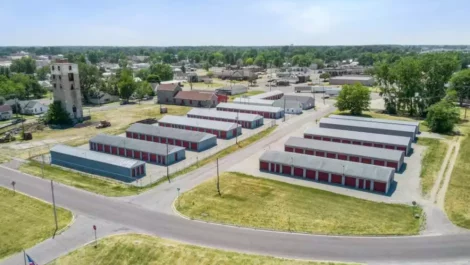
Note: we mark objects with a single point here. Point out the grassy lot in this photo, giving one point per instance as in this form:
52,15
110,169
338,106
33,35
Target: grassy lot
263,203
109,187
432,162
457,201
144,249
247,94
26,221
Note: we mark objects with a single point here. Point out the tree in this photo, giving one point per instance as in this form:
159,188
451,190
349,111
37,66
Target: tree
210,74
153,79
319,62
89,76
460,82
442,116
164,71
57,114
143,89
249,61
2,100
277,61
325,76
42,72
206,66
355,98
25,65
29,85
143,74
126,84
93,57
183,69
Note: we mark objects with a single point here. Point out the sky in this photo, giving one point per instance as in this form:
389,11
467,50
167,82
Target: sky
233,23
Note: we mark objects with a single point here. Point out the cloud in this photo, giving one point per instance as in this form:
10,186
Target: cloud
304,17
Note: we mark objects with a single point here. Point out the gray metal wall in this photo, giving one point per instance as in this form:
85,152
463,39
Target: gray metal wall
172,156
206,144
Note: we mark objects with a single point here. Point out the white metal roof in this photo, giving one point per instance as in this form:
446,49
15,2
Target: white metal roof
352,77
349,149
135,144
96,156
254,101
360,136
268,94
329,165
355,118
249,107
366,124
172,133
200,123
224,114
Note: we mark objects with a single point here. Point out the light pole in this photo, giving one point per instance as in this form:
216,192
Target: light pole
167,162
218,178
54,208
236,130
13,183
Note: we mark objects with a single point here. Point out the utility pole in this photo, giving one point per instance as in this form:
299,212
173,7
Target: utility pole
167,162
284,108
236,130
218,178
13,183
42,166
54,208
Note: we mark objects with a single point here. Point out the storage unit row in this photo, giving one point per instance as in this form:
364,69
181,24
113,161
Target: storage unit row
369,127
350,174
249,121
106,165
271,95
414,124
265,111
223,130
254,101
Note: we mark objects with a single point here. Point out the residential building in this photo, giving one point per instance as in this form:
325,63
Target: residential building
5,112
66,88
102,98
196,99
34,107
166,93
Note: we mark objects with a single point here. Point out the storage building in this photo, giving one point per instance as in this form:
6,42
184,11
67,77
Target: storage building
265,111
359,138
414,124
361,154
368,127
364,80
195,141
142,150
232,90
119,168
254,101
271,95
249,121
349,174
223,130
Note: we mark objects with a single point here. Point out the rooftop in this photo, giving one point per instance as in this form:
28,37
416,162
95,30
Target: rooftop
364,151
172,133
224,114
96,156
194,95
360,136
200,123
4,108
168,87
134,144
249,107
254,101
366,124
268,94
355,118
353,77
333,166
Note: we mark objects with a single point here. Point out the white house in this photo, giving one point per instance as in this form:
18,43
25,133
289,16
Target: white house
46,84
102,98
34,108
5,112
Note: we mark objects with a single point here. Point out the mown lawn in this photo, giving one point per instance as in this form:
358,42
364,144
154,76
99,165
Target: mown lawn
142,250
110,187
432,161
263,203
26,221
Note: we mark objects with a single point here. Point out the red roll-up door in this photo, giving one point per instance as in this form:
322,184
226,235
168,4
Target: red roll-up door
318,153
159,159
223,134
278,168
178,142
107,148
153,158
310,174
100,147
299,150
122,151
330,155
342,157
401,148
148,137
194,129
289,149
361,184
379,145
379,162
186,144
133,172
193,146
128,134
309,152
356,143
200,129
366,160
391,147
379,186
338,179
299,172
155,139
163,140
392,165
145,156
286,170
367,144
346,142
316,137
170,141
326,139
135,135
114,150
354,158
367,184
336,140
263,165
323,176
350,182
188,127
163,160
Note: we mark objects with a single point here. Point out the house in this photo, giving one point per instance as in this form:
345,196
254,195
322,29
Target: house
34,108
102,98
178,74
196,99
166,93
304,101
5,112
46,84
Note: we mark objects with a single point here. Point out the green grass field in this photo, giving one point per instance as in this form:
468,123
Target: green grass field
26,221
262,203
138,249
110,187
432,162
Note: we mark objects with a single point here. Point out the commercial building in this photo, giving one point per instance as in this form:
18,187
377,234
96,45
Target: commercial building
345,173
142,150
369,127
195,141
120,168
196,99
271,95
364,80
414,124
348,152
254,101
265,111
223,130
295,104
66,88
359,138
249,121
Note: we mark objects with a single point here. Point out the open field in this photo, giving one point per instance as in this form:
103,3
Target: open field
26,221
432,162
143,250
457,199
110,187
263,203
247,94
